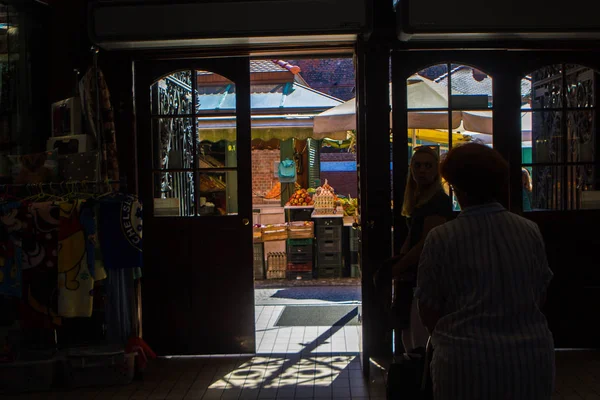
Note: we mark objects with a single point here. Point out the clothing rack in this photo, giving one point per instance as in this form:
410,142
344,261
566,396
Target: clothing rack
53,187
65,183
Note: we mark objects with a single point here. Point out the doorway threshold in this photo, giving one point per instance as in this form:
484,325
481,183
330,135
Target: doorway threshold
282,283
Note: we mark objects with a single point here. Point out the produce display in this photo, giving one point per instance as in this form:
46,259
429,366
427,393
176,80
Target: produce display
350,206
301,197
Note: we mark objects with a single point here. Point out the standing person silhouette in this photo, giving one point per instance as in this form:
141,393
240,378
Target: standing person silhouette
481,284
426,205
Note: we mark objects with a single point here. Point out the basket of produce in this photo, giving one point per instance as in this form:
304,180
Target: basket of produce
301,197
301,230
274,232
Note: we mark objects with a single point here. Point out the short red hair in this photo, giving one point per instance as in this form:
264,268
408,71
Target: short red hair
477,170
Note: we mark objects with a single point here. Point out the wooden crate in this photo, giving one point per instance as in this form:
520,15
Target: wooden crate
274,232
301,230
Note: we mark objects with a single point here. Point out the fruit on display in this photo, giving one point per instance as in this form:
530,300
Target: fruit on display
350,206
301,197
275,192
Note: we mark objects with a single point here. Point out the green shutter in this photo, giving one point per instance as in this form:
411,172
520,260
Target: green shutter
314,163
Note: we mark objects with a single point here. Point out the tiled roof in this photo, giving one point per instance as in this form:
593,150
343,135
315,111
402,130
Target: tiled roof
279,97
464,82
265,66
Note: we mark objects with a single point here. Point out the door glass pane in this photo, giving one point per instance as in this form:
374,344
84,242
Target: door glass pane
218,193
216,122
476,126
561,137
221,154
215,96
580,136
173,145
174,194
583,181
172,95
542,132
546,188
580,86
471,88
547,87
424,92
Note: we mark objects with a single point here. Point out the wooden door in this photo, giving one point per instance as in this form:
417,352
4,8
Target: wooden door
194,157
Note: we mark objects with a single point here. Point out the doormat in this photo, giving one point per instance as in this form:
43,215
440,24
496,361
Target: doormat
318,316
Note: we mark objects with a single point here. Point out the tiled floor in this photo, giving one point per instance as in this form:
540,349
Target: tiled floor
298,363
305,340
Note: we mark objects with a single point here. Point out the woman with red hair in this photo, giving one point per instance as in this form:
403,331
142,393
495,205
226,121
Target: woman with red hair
481,284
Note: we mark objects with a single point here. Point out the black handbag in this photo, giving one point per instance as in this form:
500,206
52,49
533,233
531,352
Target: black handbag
404,378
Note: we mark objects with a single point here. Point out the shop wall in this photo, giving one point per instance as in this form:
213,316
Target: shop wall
344,182
263,172
334,76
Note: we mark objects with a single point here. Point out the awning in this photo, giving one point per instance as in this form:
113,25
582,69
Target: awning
264,127
437,136
422,94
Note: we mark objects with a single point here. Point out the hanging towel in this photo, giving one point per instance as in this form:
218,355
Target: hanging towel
33,228
75,267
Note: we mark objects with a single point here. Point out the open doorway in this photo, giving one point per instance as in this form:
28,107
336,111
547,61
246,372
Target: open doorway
305,207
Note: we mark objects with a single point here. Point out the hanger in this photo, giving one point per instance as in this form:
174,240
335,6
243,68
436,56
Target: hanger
7,196
54,197
109,190
31,198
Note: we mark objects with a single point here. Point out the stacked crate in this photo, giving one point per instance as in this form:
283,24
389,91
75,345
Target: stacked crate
354,245
259,261
276,265
329,247
300,258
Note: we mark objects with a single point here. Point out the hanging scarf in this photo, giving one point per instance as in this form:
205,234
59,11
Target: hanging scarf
105,120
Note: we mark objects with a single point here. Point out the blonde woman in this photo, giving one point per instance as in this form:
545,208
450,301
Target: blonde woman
527,189
426,205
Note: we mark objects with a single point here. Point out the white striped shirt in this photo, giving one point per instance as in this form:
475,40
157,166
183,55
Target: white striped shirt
486,272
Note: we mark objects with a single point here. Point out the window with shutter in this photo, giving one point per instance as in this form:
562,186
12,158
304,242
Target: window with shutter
314,162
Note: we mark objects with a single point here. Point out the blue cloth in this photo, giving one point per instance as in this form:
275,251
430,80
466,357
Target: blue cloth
120,231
